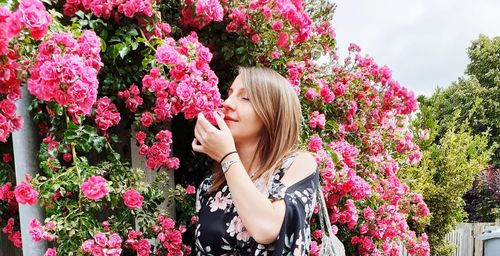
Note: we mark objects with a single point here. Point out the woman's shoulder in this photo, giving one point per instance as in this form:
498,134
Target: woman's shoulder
303,165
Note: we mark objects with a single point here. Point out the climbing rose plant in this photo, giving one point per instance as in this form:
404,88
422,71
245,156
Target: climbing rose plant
102,73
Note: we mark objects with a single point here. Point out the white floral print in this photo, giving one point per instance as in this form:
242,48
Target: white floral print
219,202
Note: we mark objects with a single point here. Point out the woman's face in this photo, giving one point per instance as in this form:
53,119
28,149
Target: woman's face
240,116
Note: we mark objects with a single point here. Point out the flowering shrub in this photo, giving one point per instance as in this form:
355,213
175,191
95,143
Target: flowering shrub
128,68
9,220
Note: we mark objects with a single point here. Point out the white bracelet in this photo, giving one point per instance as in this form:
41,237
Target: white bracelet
227,165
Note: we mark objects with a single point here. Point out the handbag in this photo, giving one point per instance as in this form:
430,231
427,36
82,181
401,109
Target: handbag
330,244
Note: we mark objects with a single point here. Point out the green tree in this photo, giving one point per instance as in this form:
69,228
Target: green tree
476,96
473,102
445,173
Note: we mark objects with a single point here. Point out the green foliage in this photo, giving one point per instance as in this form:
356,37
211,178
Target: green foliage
484,54
474,102
445,173
468,102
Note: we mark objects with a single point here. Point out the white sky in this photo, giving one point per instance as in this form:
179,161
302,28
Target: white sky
424,42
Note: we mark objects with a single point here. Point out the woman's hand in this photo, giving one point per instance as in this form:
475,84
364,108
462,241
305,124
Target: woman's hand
214,142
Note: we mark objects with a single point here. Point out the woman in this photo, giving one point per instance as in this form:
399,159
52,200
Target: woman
260,198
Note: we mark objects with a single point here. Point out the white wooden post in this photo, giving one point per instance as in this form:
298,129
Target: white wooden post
25,148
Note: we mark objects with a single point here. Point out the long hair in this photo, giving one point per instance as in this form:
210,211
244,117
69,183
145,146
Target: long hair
277,105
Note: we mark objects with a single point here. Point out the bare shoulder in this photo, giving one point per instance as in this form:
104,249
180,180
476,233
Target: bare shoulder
303,166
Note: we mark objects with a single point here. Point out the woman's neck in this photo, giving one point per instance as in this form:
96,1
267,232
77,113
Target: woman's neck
248,153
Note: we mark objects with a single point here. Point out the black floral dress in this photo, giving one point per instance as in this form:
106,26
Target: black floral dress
219,230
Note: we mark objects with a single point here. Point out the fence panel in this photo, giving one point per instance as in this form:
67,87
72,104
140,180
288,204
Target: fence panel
465,236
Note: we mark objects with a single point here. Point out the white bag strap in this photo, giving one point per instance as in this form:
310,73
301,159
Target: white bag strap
326,228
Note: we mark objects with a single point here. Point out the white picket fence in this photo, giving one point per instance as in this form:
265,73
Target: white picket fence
465,236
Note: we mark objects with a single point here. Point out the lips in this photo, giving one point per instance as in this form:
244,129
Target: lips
228,118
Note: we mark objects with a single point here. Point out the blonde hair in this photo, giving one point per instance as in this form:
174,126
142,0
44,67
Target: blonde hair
277,105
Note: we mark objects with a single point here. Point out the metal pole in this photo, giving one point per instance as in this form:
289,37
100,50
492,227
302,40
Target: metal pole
25,148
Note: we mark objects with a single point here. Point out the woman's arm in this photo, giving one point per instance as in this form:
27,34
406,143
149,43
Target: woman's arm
262,218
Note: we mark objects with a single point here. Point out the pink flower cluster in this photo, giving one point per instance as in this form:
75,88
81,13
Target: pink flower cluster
25,194
288,20
12,235
39,232
95,188
158,154
103,245
199,13
10,84
5,33
317,120
132,199
132,98
193,85
50,252
138,243
406,145
106,114
30,14
170,238
110,9
7,193
9,121
363,194
66,71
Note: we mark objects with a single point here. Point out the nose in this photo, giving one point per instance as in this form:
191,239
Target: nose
229,103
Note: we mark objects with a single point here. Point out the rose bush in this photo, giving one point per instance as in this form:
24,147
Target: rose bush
103,72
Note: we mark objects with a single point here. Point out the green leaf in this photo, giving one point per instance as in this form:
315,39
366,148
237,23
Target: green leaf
124,51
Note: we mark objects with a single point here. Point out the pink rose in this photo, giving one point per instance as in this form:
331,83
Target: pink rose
101,239
133,199
317,234
185,92
37,20
255,38
67,157
283,41
5,193
88,245
15,238
141,137
277,25
95,188
35,230
167,55
50,252
8,107
276,55
146,119
114,241
190,190
25,194
7,157
315,143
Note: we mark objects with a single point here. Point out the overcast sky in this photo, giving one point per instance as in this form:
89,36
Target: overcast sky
424,42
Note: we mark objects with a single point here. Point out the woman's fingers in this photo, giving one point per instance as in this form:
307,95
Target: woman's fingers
196,147
198,133
204,123
220,122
